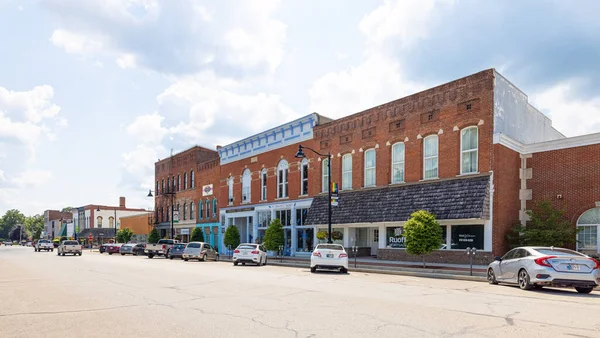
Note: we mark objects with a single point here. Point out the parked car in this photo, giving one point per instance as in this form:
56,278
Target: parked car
30,243
113,248
43,244
161,248
200,251
536,267
138,249
127,249
70,247
177,251
329,256
7,243
103,248
250,253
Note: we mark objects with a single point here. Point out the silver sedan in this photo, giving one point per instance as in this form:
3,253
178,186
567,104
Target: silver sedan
536,267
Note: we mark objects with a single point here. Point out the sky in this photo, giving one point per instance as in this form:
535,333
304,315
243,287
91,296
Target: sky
93,92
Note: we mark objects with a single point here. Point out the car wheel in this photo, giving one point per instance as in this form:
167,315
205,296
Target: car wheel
313,269
259,263
80,254
204,258
491,276
523,280
110,253
235,263
122,254
167,254
58,253
584,289
216,258
63,254
185,259
265,263
344,270
51,250
150,256
244,264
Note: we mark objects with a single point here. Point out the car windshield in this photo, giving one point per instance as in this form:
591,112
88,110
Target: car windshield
178,246
330,247
43,241
71,243
559,252
247,246
165,241
193,245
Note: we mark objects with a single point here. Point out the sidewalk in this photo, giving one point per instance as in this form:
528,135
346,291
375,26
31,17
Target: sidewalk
373,265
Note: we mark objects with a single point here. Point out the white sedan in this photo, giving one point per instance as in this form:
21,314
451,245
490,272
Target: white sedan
329,256
250,253
536,267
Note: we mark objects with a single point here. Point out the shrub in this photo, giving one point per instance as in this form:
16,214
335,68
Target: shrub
274,236
124,235
153,237
232,237
197,235
423,234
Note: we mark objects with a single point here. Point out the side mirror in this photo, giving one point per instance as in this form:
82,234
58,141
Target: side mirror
498,258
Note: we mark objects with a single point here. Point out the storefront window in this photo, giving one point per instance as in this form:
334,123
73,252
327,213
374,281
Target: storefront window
467,236
264,218
305,240
301,215
285,216
394,238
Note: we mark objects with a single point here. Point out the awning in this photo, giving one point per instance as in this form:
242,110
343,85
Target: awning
63,231
97,233
461,198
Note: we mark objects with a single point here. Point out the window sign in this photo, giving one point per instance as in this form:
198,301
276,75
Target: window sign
467,236
395,238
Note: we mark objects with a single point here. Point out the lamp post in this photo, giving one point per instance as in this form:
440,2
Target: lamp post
300,154
170,192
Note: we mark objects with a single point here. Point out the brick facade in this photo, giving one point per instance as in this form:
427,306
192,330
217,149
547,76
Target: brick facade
138,223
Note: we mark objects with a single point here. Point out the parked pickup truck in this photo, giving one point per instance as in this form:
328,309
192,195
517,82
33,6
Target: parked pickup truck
43,244
70,247
161,248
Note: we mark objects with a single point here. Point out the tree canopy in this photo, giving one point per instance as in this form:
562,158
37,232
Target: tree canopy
232,237
423,233
124,235
9,221
197,235
153,237
274,235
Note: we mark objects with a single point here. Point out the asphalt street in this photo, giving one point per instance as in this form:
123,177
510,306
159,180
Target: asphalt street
45,295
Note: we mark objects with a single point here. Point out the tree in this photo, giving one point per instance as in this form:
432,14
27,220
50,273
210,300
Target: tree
274,236
197,235
35,226
153,237
124,235
67,209
232,237
547,227
423,234
16,234
9,221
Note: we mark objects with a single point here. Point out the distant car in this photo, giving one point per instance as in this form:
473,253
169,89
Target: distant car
177,251
200,251
250,253
43,244
70,247
29,243
139,249
6,243
103,248
113,248
127,249
329,256
536,267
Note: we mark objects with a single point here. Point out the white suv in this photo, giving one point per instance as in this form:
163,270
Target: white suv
329,256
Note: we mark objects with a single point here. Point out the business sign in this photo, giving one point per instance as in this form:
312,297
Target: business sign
175,216
335,200
207,190
185,231
395,238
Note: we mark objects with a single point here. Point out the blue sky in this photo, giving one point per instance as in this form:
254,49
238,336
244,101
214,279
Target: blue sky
93,92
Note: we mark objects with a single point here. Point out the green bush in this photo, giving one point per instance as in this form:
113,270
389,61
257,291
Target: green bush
153,237
197,235
232,237
423,234
274,236
124,235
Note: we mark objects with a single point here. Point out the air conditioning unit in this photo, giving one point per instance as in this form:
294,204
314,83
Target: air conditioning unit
244,198
231,200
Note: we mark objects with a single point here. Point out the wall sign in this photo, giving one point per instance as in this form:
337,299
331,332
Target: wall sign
185,231
207,190
395,238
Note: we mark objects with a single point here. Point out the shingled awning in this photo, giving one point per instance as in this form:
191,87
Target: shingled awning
97,233
461,198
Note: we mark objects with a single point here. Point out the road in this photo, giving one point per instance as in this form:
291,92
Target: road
44,295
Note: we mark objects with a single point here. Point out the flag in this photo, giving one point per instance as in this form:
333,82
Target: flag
334,188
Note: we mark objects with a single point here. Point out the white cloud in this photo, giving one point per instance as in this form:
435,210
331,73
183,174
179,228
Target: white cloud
2,176
78,42
147,129
34,105
31,178
570,115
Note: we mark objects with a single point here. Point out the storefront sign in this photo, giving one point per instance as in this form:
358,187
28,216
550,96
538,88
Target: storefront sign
240,210
467,236
185,231
175,216
207,190
395,238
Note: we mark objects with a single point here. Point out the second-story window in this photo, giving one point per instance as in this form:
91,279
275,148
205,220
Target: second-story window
230,189
111,222
263,185
214,208
246,183
192,211
398,162
185,181
304,177
430,157
99,221
200,210
192,179
282,179
162,185
469,150
325,175
347,172
370,168
207,209
184,211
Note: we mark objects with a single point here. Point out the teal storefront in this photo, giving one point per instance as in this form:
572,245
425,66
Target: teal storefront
211,233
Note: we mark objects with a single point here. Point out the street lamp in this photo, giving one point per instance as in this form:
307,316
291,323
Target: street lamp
114,224
170,192
300,154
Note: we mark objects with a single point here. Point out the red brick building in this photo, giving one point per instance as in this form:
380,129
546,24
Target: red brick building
184,187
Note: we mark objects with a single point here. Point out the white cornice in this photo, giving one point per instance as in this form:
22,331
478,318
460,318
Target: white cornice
570,142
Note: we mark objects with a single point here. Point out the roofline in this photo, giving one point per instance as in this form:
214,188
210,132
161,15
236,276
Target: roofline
96,206
184,151
564,143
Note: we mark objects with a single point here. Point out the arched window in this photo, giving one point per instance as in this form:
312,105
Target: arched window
207,209
214,208
192,179
347,172
185,181
469,150
588,225
200,210
184,211
111,222
246,182
325,175
398,162
282,179
430,157
230,189
263,185
99,221
370,168
162,185
192,210
304,177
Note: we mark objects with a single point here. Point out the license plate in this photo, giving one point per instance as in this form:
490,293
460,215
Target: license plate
573,267
329,256
244,252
